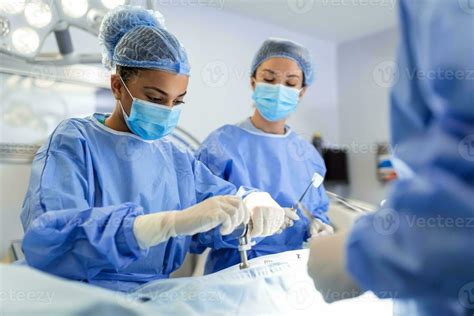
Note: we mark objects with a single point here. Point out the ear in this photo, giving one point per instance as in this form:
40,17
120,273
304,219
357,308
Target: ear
116,86
253,82
303,91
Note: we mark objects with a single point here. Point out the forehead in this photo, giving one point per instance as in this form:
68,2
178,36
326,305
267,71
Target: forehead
169,82
280,65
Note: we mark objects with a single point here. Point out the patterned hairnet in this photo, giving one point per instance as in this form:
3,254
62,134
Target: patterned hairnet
277,47
134,37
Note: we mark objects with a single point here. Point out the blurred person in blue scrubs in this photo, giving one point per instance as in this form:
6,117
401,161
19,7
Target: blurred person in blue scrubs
419,248
111,201
264,152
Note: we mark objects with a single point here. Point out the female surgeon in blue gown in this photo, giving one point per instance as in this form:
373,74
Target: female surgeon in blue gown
265,153
111,201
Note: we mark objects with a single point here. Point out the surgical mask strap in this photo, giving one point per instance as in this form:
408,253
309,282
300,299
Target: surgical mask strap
123,82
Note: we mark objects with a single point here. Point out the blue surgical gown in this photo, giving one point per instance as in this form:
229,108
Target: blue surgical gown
89,183
280,165
420,248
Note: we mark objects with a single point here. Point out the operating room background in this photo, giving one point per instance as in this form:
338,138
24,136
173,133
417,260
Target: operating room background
348,103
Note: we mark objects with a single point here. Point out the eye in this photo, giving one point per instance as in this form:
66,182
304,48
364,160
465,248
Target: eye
178,102
268,80
155,100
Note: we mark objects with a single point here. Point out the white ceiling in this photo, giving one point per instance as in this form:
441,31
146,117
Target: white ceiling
331,20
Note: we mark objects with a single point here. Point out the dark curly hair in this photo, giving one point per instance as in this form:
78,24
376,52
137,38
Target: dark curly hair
127,72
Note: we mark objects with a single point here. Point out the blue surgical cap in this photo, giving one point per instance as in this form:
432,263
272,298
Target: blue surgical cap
133,37
277,47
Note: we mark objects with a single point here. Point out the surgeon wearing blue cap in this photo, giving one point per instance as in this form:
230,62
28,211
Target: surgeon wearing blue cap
114,203
419,248
265,153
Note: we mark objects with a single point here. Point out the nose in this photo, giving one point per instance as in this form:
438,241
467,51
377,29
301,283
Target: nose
169,103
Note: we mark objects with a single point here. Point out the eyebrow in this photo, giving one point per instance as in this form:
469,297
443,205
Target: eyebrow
289,76
163,92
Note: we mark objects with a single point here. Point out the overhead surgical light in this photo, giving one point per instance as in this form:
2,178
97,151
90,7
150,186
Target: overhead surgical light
110,4
38,14
12,6
25,40
26,24
75,8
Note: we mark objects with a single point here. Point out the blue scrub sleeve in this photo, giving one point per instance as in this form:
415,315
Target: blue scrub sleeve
64,235
321,199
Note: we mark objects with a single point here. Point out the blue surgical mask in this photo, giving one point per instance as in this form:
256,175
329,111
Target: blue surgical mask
149,120
275,101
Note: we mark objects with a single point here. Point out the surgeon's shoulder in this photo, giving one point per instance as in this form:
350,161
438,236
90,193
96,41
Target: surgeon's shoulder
68,135
216,142
222,134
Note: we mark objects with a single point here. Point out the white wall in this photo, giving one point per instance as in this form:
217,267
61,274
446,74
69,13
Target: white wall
363,108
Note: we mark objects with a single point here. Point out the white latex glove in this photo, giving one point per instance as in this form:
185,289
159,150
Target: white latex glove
228,211
319,228
268,218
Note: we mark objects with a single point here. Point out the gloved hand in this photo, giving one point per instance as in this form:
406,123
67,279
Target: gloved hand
228,211
319,228
267,217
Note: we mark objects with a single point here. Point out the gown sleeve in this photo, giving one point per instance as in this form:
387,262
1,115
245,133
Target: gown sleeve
64,234
208,185
320,202
421,243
